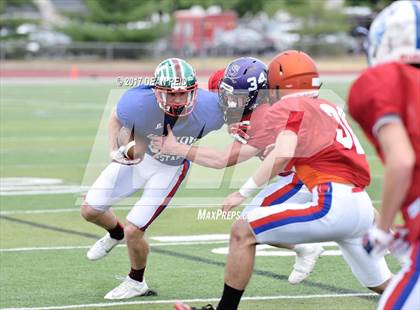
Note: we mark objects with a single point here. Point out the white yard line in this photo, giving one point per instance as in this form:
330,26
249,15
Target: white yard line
163,241
64,210
213,299
45,211
44,138
191,238
31,249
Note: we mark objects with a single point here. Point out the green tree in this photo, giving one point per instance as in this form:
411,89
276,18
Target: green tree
121,11
375,4
315,16
106,21
243,7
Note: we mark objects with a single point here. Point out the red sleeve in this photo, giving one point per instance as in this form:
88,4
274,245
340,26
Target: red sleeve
294,121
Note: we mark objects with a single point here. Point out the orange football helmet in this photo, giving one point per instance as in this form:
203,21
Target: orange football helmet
292,71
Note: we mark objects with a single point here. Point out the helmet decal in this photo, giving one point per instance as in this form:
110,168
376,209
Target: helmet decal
233,70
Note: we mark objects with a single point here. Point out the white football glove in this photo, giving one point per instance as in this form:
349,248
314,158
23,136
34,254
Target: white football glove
119,157
376,242
238,131
400,247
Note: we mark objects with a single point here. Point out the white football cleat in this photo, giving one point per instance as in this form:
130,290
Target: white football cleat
306,257
127,289
102,247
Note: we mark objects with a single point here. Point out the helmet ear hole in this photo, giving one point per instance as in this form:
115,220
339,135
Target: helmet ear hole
281,70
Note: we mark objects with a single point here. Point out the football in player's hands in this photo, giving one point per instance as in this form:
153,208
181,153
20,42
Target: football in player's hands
135,150
129,152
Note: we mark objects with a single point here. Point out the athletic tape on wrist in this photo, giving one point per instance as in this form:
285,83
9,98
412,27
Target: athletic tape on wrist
248,188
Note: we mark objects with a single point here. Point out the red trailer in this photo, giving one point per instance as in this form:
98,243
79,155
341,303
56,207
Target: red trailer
195,30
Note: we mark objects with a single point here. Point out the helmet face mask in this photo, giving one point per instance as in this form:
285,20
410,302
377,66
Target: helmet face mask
176,102
231,98
232,102
175,87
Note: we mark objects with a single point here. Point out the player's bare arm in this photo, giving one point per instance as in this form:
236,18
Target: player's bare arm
204,156
273,164
400,160
125,147
114,127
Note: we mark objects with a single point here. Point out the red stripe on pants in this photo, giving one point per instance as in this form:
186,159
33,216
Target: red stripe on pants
168,197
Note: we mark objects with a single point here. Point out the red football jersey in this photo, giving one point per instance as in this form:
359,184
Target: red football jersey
386,91
327,149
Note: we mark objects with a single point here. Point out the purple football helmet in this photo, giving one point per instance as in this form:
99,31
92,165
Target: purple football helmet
240,87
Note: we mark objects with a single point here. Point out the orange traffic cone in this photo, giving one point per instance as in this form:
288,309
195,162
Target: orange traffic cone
74,72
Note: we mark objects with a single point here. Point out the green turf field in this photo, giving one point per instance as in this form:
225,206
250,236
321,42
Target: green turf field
55,131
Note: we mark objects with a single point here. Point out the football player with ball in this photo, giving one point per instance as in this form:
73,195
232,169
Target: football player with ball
143,112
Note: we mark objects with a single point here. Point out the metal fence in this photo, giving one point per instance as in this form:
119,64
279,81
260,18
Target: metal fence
85,50
124,50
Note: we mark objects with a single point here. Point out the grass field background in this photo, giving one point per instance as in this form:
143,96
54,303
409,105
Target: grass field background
48,129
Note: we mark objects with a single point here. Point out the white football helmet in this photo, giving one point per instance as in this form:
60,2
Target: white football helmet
395,34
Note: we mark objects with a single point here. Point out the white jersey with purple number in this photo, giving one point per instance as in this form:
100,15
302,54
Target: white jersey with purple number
139,109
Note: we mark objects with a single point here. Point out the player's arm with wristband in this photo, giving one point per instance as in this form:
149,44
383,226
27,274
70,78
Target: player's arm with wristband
273,164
